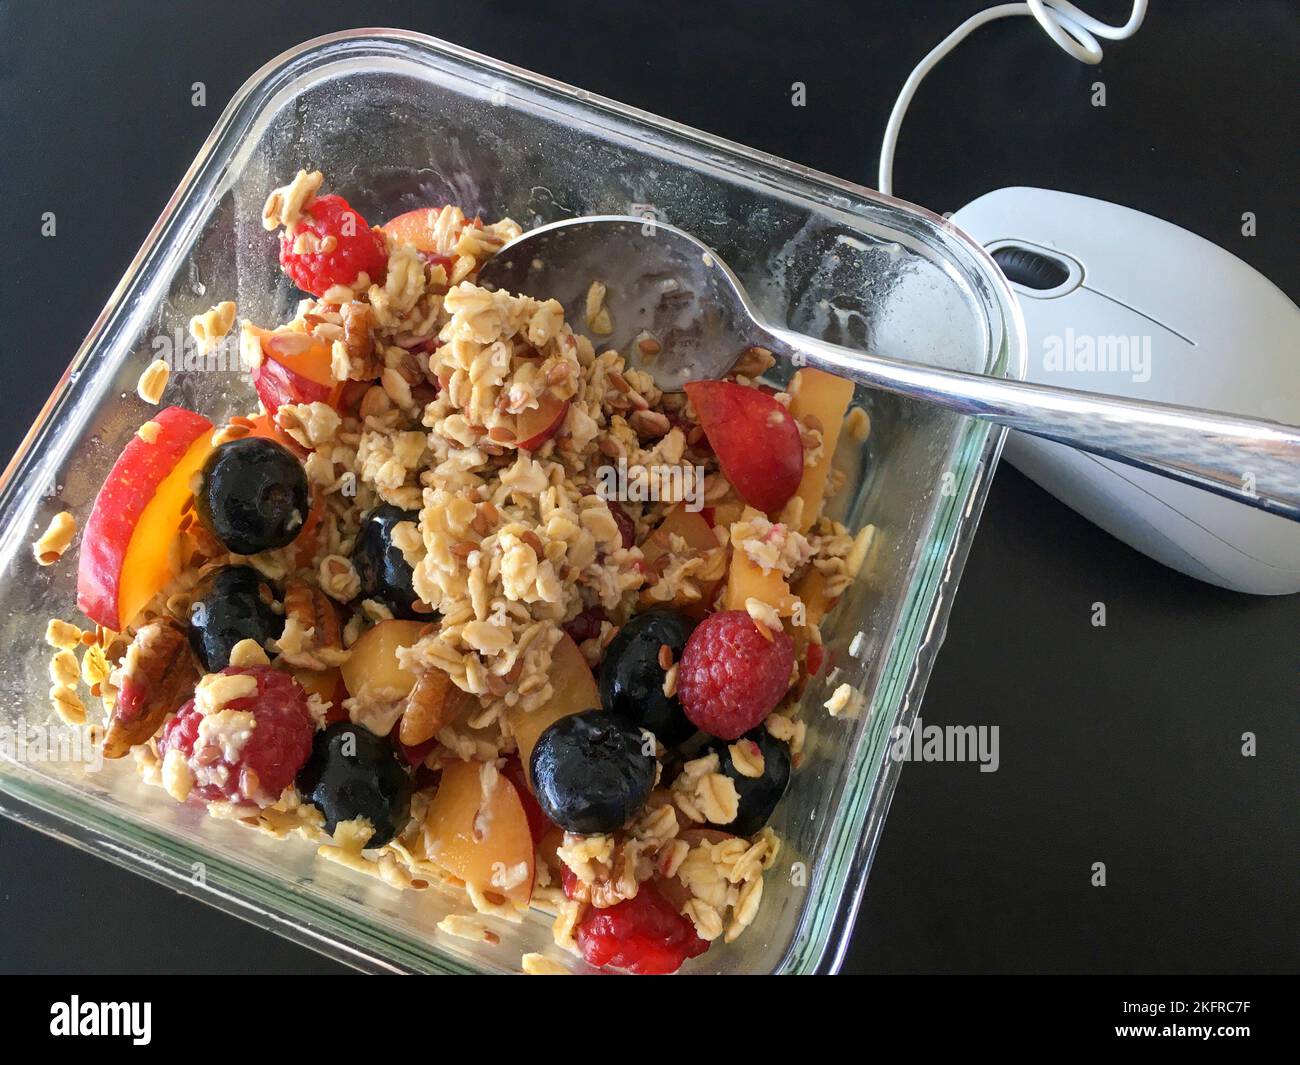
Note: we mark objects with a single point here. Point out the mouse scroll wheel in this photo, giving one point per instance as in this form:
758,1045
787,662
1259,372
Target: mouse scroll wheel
1031,268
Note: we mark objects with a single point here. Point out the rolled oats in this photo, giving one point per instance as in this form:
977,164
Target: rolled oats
704,794
787,730
211,327
284,205
65,671
747,758
706,918
153,381
540,965
844,702
68,705
471,928
62,634
56,539
858,424
216,690
248,653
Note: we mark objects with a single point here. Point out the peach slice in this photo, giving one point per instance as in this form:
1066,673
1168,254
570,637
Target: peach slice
306,543
373,662
826,397
746,580
415,228
536,425
575,691
418,228
477,842
726,513
295,368
326,683
126,556
693,527
811,589
306,356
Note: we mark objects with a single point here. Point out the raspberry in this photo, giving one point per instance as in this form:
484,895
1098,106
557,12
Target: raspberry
229,760
357,248
730,675
642,935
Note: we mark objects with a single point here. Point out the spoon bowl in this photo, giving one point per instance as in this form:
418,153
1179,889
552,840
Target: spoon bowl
676,310
661,285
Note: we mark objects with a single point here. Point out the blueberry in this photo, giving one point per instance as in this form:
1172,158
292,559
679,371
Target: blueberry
232,604
385,574
354,773
758,795
632,680
254,495
591,772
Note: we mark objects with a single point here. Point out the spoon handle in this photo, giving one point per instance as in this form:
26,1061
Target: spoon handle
1252,462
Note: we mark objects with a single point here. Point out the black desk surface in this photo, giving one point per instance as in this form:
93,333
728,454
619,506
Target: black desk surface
1119,744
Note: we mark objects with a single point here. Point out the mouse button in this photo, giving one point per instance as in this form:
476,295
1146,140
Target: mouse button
1030,268
1035,271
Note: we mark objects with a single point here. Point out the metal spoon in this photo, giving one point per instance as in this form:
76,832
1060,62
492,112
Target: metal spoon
664,283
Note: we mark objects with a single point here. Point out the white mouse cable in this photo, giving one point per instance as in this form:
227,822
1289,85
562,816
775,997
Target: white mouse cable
1075,31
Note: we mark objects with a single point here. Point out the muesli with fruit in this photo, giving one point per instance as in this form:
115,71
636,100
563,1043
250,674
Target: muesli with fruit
395,611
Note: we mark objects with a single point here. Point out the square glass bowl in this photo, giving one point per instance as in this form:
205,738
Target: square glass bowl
396,121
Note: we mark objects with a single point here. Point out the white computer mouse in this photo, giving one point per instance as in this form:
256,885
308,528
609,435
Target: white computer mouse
1119,302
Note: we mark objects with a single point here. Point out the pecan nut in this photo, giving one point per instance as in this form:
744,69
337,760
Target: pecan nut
159,675
357,320
434,703
312,637
312,609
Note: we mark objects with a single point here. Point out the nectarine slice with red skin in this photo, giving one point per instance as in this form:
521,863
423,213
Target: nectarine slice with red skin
454,841
277,385
124,559
814,658
536,425
295,368
694,528
746,580
326,683
373,661
825,397
303,355
538,823
306,543
415,228
755,438
574,691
